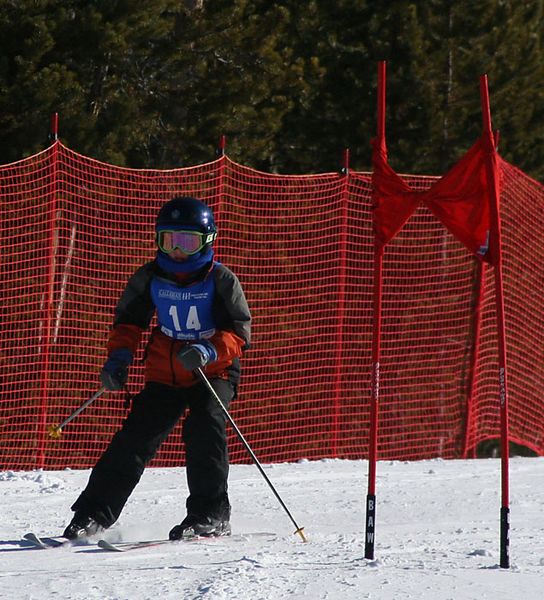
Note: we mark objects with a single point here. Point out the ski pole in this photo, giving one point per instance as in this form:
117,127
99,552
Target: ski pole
55,431
205,380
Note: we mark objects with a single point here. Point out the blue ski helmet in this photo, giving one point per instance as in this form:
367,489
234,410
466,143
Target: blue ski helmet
185,212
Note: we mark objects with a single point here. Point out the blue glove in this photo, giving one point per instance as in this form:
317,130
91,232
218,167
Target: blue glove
195,356
114,373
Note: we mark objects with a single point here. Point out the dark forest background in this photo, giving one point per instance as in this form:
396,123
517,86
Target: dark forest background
290,83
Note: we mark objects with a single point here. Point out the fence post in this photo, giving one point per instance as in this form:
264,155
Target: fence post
53,128
218,208
339,360
49,304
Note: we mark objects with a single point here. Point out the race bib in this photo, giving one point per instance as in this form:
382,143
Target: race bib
185,313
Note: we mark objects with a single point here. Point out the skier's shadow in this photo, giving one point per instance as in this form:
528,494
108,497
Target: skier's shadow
20,545
24,545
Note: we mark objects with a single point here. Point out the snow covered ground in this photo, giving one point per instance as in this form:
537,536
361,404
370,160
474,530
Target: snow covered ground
437,536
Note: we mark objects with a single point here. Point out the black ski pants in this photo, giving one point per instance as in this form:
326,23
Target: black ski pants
154,413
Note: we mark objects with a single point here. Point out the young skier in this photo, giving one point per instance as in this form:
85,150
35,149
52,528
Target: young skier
203,320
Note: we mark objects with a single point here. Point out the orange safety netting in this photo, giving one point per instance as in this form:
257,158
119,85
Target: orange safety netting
73,230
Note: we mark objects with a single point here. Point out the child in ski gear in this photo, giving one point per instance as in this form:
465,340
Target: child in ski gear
203,321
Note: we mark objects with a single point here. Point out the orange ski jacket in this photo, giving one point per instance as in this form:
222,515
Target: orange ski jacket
136,309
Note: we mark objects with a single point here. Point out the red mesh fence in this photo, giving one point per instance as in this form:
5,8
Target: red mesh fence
74,229
522,213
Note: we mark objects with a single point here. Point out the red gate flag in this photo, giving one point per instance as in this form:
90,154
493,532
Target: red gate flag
460,199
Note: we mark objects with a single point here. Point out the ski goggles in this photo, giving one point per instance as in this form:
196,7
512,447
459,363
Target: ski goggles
189,242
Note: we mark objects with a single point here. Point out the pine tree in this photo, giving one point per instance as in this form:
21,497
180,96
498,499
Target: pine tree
504,40
291,84
85,60
227,72
436,51
347,39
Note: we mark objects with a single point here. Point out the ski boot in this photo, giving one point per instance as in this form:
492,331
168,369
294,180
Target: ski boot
199,525
82,526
